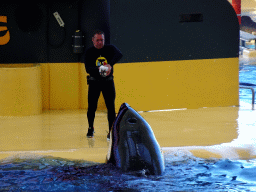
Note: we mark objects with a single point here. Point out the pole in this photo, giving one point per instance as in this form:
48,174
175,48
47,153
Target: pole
237,6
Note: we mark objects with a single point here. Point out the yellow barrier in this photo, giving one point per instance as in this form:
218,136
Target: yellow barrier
20,90
151,85
64,86
145,86
178,84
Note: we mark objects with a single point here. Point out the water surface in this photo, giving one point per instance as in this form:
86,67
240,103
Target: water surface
184,172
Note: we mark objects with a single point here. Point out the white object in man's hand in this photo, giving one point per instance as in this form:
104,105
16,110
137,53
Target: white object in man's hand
103,70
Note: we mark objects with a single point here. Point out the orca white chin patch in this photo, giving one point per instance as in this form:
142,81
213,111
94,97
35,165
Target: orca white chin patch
109,146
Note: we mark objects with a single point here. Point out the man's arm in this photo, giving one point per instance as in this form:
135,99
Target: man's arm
116,56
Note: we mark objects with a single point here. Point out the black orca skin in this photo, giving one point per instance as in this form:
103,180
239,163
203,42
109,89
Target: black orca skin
133,146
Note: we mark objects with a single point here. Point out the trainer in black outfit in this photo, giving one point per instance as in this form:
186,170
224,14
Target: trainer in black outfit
99,61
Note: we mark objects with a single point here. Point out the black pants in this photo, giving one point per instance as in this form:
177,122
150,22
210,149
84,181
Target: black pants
108,90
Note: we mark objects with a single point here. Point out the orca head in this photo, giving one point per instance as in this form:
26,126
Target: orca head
112,155
133,146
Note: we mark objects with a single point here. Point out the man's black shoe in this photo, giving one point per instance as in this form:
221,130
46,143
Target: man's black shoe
90,132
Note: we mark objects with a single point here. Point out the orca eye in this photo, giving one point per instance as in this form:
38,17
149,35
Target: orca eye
132,120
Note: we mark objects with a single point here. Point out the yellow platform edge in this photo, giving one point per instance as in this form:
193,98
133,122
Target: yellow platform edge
218,132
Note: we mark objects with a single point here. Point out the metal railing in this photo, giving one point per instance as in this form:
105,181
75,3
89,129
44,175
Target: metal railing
253,94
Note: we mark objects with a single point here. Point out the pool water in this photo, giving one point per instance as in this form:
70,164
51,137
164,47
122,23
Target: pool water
184,172
247,74
250,46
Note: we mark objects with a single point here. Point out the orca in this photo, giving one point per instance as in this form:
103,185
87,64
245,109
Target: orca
132,145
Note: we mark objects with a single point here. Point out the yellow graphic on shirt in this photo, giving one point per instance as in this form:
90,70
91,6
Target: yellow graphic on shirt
101,61
6,37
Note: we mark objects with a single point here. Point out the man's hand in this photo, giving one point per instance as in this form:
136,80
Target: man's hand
109,69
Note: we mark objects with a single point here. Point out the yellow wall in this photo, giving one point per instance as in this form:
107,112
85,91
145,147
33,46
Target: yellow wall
20,90
149,85
178,84
64,86
145,86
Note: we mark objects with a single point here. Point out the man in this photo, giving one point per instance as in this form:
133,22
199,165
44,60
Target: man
99,61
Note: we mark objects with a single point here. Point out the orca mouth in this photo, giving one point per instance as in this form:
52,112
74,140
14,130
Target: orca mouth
132,120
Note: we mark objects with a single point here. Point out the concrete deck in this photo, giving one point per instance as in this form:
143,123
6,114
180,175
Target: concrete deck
221,132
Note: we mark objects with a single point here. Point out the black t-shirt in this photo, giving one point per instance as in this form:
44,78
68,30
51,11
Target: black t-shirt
95,57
